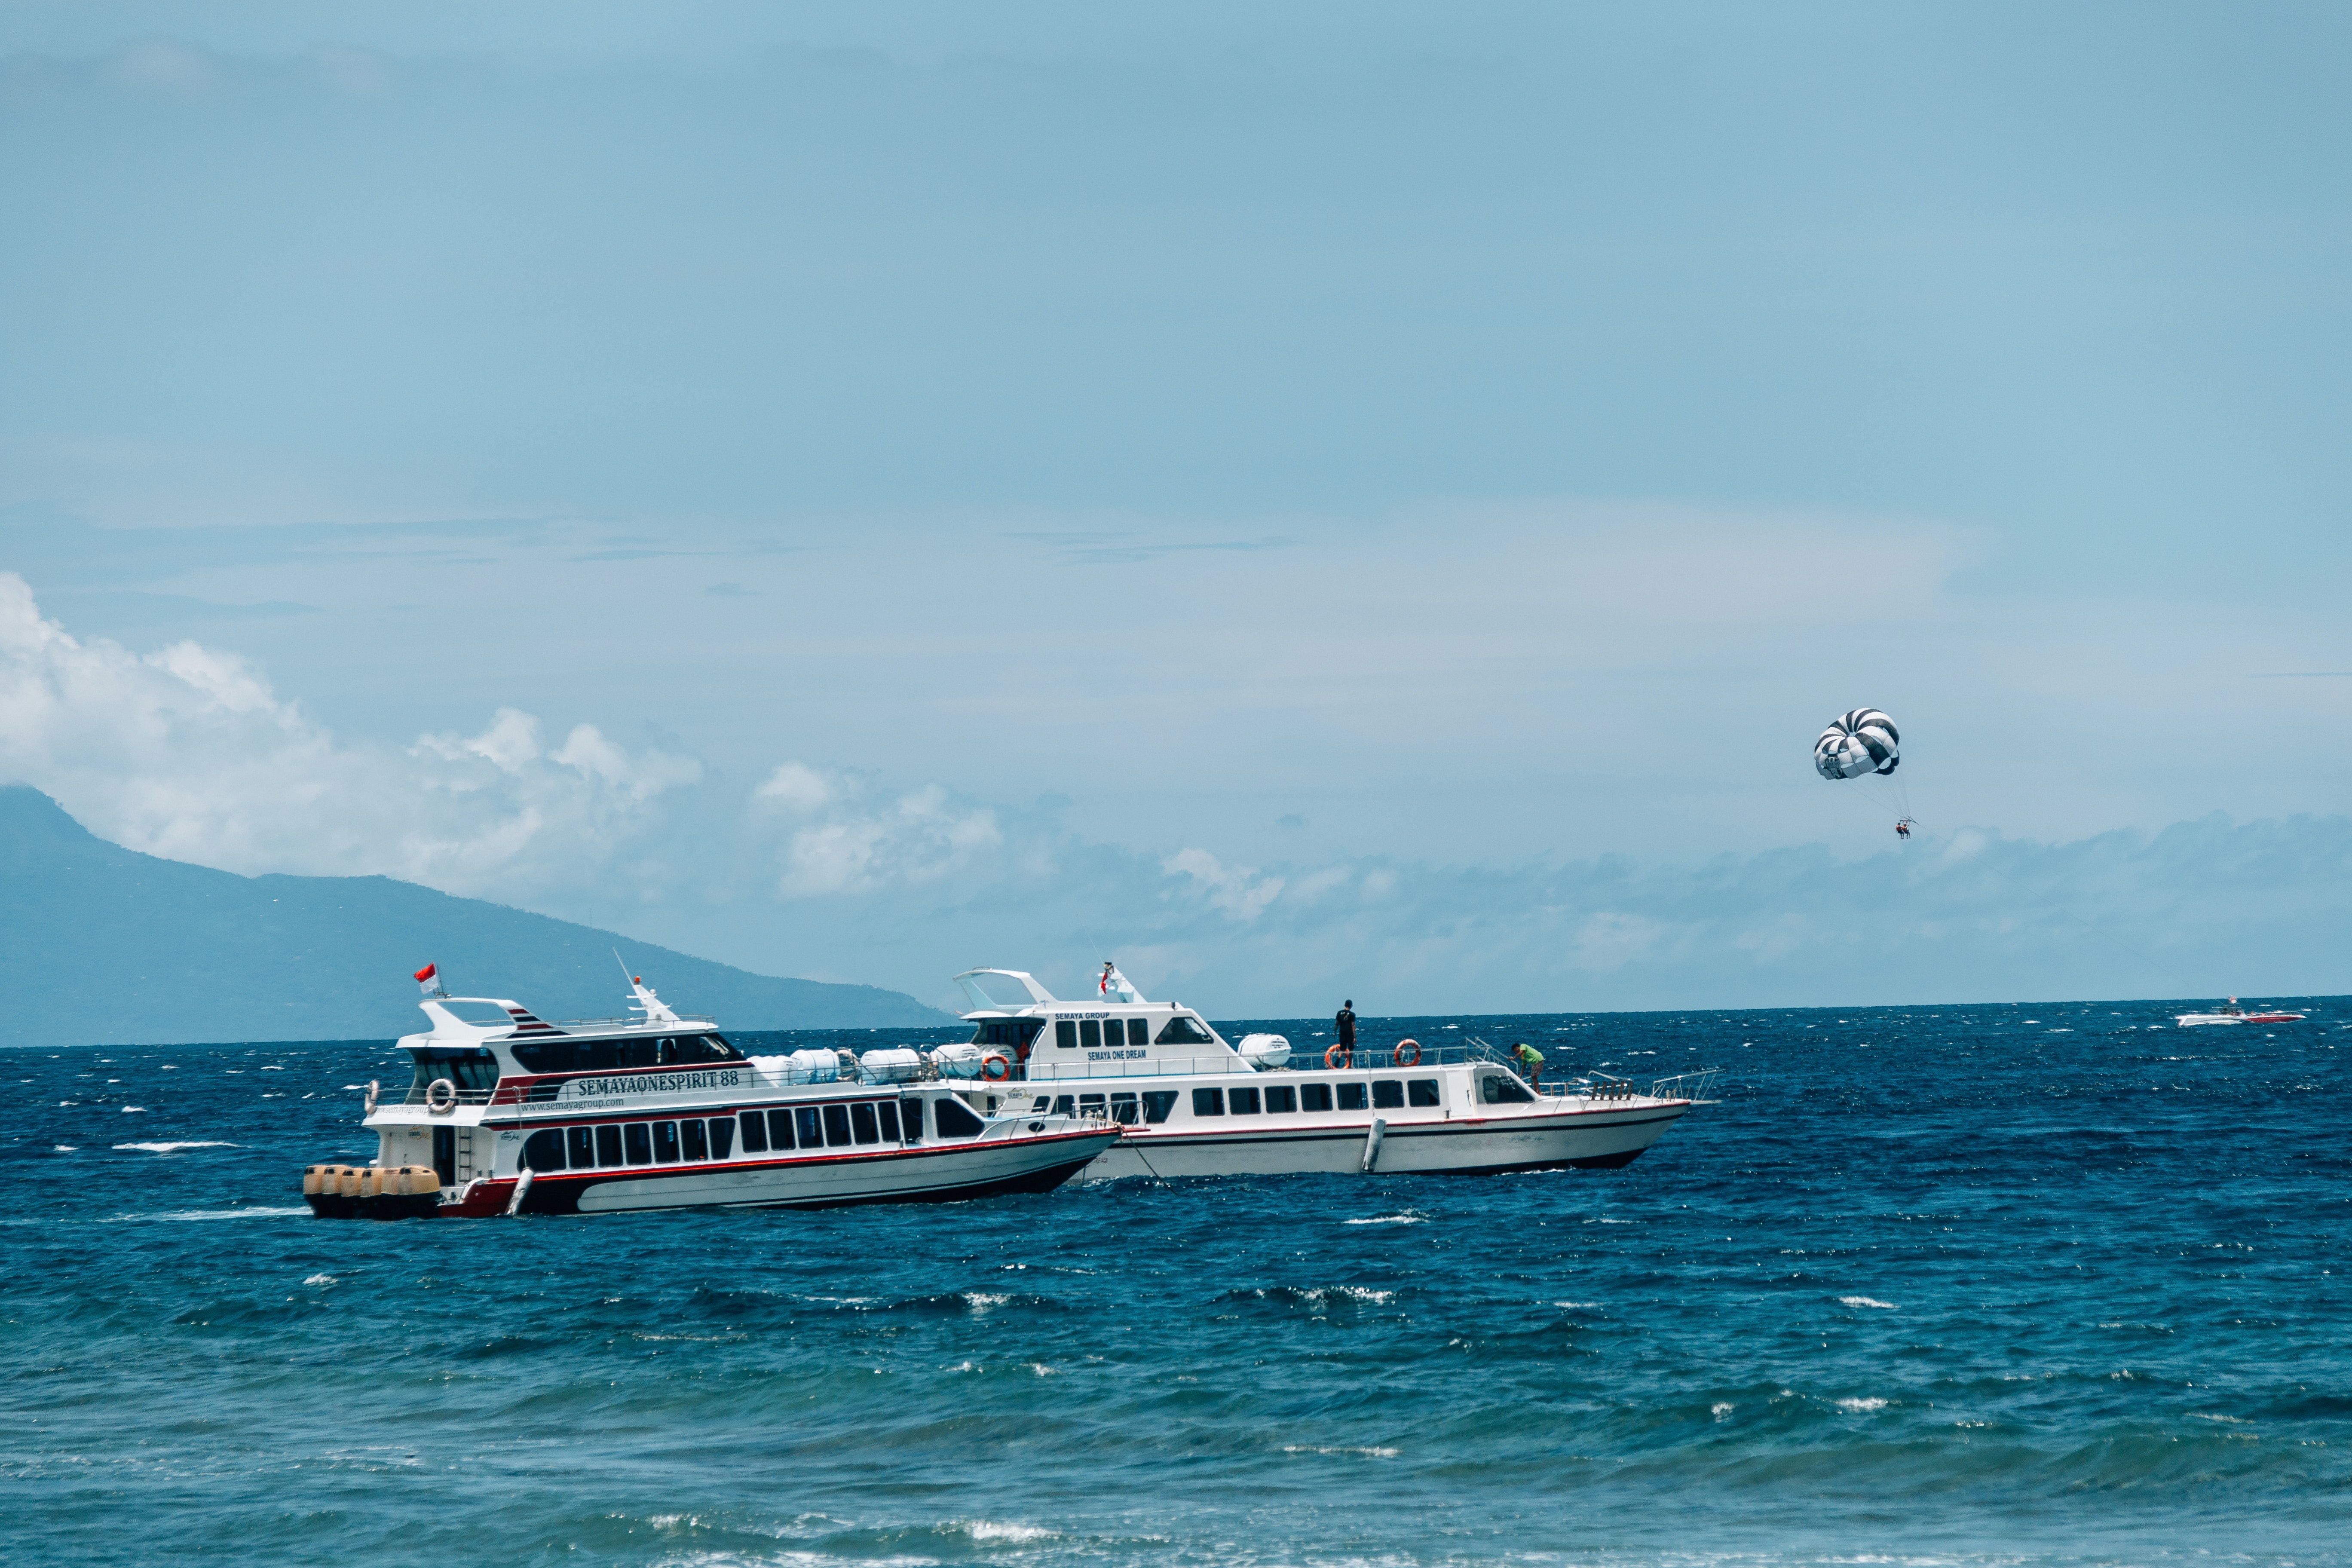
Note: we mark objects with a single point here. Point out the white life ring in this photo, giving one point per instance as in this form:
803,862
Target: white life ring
437,1103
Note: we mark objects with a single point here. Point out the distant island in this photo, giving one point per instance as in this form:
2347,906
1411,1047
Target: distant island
102,945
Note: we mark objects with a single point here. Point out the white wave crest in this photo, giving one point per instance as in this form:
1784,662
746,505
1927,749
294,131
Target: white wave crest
1358,1453
175,1148
989,1530
1862,1404
1867,1301
1406,1219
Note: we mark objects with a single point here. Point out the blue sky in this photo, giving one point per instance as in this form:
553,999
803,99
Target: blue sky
1353,496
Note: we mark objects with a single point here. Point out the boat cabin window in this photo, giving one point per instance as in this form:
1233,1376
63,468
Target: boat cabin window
1244,1101
862,1124
666,1142
755,1132
887,1110
1139,1033
607,1056
1316,1096
1156,1104
1183,1031
809,1125
1016,1034
1423,1091
1281,1100
956,1119
1497,1090
1090,1034
690,1137
542,1150
780,1129
1124,1109
640,1141
1351,1095
1065,1035
1068,1105
1388,1094
608,1145
472,1069
580,1147
1208,1101
836,1125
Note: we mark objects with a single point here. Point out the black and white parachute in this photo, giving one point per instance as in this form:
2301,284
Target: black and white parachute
1862,742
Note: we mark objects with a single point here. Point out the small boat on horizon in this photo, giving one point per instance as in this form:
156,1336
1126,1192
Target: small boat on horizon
511,1114
2232,1014
1191,1104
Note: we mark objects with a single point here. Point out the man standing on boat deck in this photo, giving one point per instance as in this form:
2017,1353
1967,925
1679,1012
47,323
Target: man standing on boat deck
1346,1026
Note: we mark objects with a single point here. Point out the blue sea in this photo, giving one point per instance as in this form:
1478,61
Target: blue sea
2019,1284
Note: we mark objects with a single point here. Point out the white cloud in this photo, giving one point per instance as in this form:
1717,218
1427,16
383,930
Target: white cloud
1239,891
869,842
187,752
796,787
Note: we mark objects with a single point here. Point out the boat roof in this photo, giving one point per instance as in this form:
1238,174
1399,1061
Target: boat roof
522,1023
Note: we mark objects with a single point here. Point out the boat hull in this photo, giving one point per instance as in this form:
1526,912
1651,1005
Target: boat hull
1587,1140
949,1173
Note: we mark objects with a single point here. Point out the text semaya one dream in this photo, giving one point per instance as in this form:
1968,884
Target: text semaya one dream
1192,1105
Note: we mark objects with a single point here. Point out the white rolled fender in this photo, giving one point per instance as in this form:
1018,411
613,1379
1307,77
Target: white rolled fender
437,1100
522,1191
375,1088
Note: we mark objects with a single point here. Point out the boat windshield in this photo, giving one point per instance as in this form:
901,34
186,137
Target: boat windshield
471,1068
604,1056
1183,1031
1019,1033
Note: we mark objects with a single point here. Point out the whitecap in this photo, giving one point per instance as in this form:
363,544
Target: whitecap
989,1530
1866,1301
254,1212
320,1279
1576,1303
982,1300
1406,1219
1719,1409
1359,1453
1862,1404
67,1148
129,1109
175,1148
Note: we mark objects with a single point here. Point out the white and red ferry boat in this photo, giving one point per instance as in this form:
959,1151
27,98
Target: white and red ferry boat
2231,1013
1191,1104
510,1114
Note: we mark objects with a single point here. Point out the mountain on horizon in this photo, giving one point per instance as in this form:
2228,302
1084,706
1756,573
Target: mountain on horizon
104,945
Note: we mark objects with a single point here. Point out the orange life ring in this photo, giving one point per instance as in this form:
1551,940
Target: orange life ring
1403,1060
1331,1057
996,1067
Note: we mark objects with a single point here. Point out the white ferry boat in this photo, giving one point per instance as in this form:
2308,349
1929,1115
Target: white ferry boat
1191,1104
2232,1014
510,1114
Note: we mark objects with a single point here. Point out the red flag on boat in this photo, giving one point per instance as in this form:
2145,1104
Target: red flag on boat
429,979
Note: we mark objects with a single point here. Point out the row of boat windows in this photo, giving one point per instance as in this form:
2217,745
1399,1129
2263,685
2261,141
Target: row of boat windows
1090,1034
1283,1098
608,1056
836,1126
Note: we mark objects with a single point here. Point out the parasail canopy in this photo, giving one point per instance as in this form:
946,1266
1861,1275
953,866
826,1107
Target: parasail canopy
1862,741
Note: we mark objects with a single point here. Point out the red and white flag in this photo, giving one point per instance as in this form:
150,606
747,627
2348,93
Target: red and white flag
429,979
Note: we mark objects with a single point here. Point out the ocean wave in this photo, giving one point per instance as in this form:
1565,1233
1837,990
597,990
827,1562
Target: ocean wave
1866,1301
174,1148
1408,1217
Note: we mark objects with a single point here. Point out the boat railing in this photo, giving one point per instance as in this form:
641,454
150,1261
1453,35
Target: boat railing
652,1024
417,1093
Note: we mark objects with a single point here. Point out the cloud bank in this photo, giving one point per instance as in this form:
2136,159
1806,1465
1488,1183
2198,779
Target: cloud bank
189,752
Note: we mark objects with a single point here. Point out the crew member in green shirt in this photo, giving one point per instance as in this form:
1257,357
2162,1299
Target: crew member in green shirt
1530,1061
